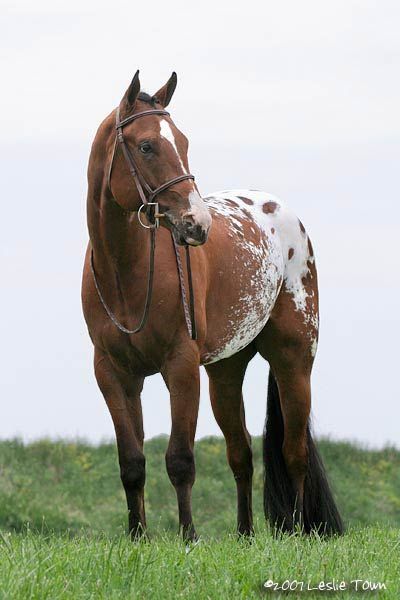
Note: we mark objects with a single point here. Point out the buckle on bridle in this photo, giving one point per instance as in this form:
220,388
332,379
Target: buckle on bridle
157,216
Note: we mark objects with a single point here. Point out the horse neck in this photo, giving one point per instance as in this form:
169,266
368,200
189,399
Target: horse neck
117,238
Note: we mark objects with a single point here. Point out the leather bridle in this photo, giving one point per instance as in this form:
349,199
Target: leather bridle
141,183
147,195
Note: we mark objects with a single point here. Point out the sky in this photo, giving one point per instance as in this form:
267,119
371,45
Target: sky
298,99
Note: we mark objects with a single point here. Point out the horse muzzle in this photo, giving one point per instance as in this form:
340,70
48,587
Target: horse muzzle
190,227
189,234
195,235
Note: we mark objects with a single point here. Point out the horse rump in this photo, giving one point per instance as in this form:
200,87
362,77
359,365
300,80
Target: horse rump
320,512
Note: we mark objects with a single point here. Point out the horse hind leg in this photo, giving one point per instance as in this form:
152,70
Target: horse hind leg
123,401
296,488
226,380
297,492
286,452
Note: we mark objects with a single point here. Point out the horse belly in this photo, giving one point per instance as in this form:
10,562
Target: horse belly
248,267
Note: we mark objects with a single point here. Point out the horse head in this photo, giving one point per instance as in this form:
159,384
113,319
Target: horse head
154,156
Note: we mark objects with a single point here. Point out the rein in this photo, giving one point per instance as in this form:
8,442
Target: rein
147,202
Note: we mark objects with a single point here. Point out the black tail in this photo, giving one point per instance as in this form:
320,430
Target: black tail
319,510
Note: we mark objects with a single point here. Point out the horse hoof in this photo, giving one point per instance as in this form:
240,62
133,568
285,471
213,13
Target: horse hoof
246,534
189,534
139,534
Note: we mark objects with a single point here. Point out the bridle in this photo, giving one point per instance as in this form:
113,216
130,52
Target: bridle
141,183
144,188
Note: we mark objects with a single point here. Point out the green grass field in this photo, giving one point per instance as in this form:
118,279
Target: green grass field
62,518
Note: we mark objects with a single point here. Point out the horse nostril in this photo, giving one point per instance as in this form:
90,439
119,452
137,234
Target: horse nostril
194,230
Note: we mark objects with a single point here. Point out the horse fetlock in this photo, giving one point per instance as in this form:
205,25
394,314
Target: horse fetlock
188,532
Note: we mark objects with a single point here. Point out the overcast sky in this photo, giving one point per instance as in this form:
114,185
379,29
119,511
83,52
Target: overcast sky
300,99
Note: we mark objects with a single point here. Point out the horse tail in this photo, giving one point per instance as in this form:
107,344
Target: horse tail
320,512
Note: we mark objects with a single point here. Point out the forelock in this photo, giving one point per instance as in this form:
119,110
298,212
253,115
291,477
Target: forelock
145,97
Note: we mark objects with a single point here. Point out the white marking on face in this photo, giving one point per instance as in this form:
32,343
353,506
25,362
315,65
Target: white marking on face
167,133
199,211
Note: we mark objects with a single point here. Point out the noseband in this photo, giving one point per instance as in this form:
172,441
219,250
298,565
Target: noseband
148,201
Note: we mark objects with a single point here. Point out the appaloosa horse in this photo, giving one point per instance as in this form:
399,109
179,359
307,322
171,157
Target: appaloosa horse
254,284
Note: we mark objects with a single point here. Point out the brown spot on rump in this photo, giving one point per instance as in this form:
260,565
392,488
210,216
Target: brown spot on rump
231,203
272,229
302,228
246,200
290,253
269,207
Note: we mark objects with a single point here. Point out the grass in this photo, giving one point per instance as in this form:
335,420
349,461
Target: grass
74,486
38,566
62,518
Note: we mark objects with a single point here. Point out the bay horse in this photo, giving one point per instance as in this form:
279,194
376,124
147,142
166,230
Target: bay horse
254,283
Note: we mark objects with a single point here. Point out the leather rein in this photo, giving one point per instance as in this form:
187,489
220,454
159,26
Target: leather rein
154,216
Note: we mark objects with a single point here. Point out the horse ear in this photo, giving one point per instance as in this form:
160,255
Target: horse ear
131,93
165,93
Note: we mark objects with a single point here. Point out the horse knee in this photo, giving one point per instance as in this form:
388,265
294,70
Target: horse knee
180,467
133,472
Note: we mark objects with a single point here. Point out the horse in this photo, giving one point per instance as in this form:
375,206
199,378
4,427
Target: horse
253,284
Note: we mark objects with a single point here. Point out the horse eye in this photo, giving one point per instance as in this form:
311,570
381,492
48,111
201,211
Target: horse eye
145,148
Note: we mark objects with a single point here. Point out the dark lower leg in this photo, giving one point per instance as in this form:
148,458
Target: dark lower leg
132,470
123,401
243,477
135,462
295,403
181,471
183,381
227,404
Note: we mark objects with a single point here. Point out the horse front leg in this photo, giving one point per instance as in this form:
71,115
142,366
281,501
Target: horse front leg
182,378
122,395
